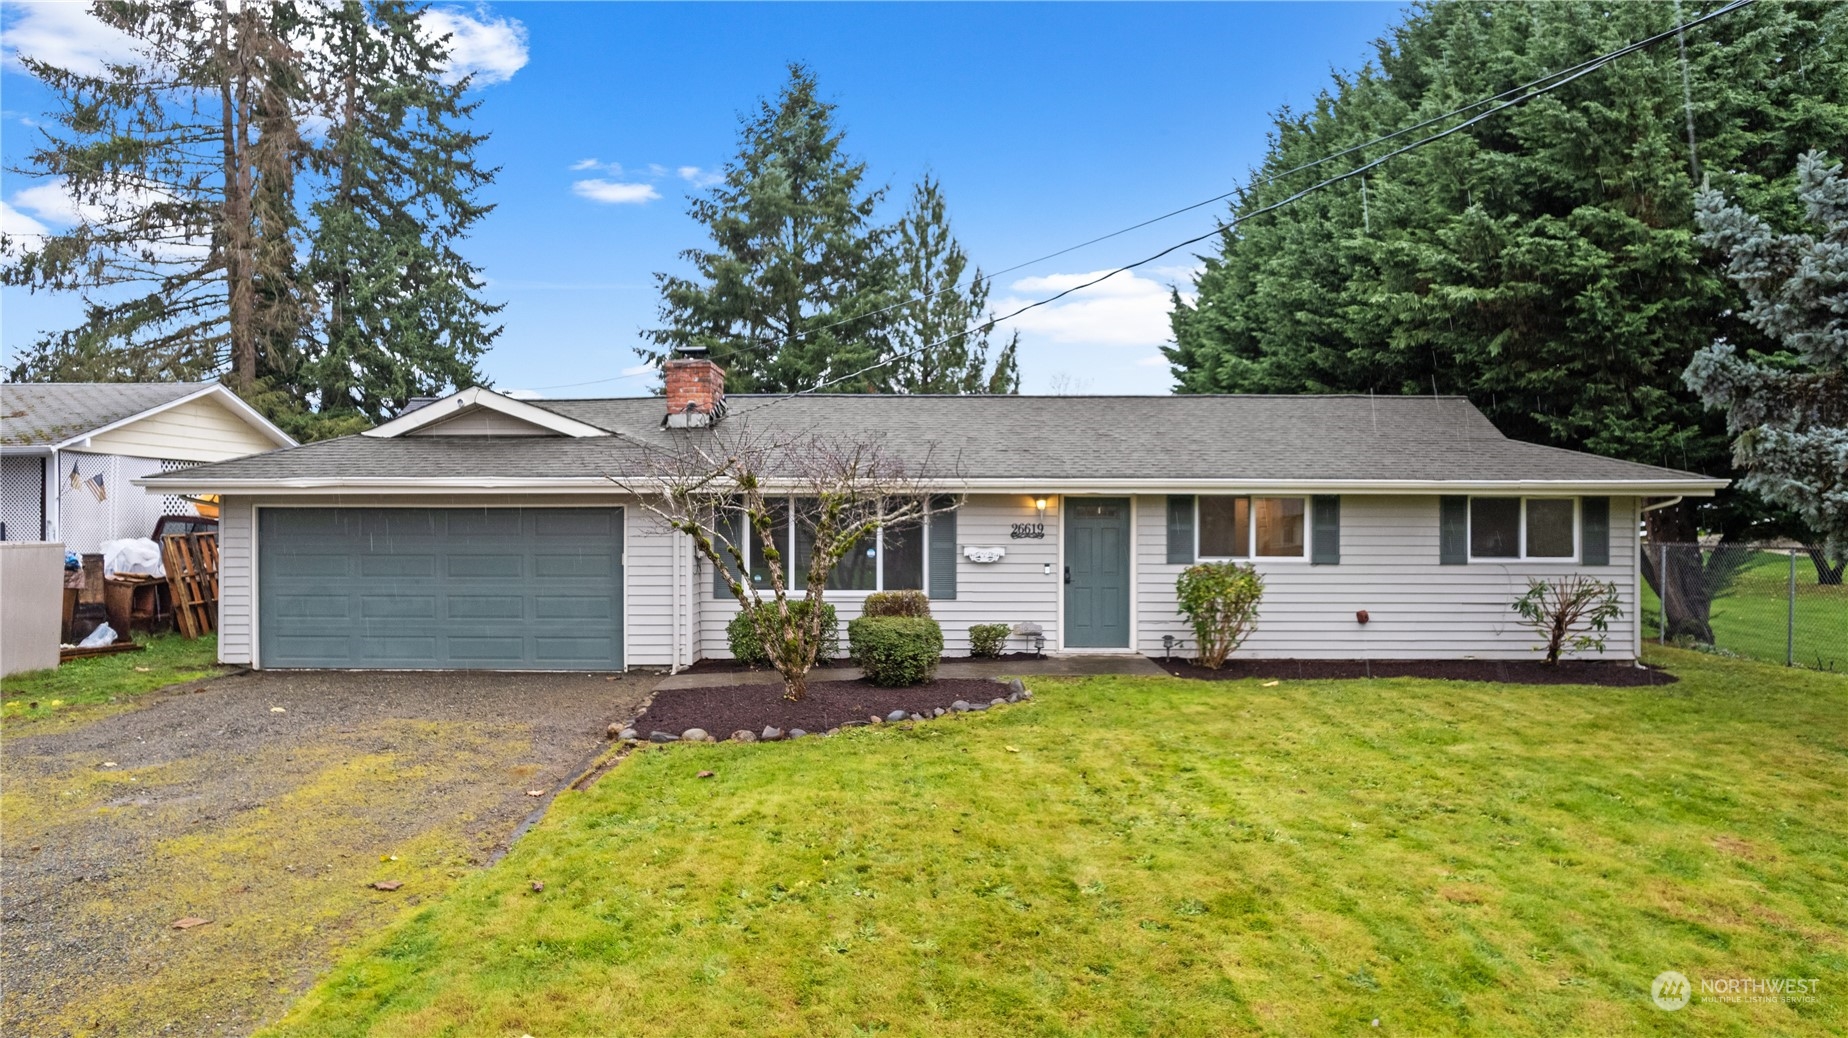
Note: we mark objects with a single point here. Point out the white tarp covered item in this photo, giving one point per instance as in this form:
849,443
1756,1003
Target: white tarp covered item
133,555
103,635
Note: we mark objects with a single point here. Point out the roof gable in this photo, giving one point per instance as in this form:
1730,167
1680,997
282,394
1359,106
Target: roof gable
482,412
55,415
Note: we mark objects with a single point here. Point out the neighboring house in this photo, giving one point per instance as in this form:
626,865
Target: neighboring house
70,451
483,532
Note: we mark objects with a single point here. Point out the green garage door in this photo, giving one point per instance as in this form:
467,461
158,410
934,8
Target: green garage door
440,588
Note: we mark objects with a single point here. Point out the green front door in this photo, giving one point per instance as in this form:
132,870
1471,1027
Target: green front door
1097,573
440,588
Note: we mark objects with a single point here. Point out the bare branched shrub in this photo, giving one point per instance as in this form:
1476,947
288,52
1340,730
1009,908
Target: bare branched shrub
727,488
1572,612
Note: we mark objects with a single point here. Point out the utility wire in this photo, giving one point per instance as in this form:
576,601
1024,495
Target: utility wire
1185,209
1584,69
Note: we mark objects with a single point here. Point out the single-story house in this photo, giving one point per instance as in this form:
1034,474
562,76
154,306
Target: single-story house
482,532
70,451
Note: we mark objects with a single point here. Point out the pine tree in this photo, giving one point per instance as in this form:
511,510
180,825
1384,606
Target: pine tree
1787,409
181,164
792,291
399,309
930,265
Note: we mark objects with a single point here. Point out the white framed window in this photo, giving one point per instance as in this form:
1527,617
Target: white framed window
889,559
1523,528
1249,527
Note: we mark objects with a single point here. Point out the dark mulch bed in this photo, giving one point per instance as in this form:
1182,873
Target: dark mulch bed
711,666
722,710
1518,672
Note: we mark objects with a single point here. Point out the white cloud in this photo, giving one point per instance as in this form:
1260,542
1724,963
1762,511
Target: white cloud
583,164
481,44
488,46
614,192
638,369
1126,310
50,202
65,35
1152,362
698,177
22,232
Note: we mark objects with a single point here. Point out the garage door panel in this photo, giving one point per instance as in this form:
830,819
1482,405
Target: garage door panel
487,607
397,565
502,567
483,522
569,523
487,651
552,566
400,650
572,651
433,588
314,607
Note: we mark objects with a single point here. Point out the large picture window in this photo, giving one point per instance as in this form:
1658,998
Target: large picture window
1523,527
890,559
1252,527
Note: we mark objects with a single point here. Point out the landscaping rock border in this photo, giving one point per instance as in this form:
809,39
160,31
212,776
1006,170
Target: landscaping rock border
759,713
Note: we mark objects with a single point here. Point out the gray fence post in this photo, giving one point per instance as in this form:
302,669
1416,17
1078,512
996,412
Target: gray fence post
1790,624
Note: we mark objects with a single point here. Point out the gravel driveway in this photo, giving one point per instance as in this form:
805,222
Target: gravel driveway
267,804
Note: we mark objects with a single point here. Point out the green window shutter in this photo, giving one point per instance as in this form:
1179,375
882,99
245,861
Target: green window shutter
1180,529
730,523
941,544
1453,530
1595,528
1325,535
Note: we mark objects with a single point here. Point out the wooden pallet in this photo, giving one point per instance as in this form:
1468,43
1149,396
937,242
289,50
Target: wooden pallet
192,573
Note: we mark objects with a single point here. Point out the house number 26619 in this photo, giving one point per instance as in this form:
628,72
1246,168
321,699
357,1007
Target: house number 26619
1029,531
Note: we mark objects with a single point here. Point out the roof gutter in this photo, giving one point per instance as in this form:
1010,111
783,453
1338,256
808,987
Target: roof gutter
179,482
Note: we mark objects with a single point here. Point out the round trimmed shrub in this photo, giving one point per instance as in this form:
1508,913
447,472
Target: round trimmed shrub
897,603
988,640
1220,601
746,647
896,650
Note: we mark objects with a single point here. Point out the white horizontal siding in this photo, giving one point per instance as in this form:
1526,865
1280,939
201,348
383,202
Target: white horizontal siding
237,588
1389,566
648,568
198,430
1017,589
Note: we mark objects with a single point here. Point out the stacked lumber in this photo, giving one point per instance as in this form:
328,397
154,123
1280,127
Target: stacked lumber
192,574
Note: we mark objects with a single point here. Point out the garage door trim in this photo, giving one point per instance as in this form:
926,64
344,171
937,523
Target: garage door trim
256,557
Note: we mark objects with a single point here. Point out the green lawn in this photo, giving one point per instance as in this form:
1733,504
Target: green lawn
1159,856
168,660
1751,619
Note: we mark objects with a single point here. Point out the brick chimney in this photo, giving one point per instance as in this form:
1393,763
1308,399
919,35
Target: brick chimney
695,390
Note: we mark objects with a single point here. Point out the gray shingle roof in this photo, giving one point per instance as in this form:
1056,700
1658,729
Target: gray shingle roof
46,413
1064,438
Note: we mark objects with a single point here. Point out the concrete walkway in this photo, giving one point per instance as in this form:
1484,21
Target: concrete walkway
1073,666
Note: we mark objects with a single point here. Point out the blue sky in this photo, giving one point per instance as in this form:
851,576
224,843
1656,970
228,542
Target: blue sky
1048,124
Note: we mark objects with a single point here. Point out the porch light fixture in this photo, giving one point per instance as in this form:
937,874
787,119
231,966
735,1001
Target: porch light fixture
1040,503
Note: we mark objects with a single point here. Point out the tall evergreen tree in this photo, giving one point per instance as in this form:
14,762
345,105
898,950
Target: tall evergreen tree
793,288
1544,261
1787,410
399,309
181,166
930,268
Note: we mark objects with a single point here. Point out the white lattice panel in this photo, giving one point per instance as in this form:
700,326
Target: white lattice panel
99,503
22,497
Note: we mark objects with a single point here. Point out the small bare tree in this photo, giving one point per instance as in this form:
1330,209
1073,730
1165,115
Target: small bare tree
729,488
1572,611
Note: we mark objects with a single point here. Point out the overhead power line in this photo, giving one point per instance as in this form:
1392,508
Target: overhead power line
1531,92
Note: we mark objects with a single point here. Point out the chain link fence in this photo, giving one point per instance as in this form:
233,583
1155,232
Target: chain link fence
1764,602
